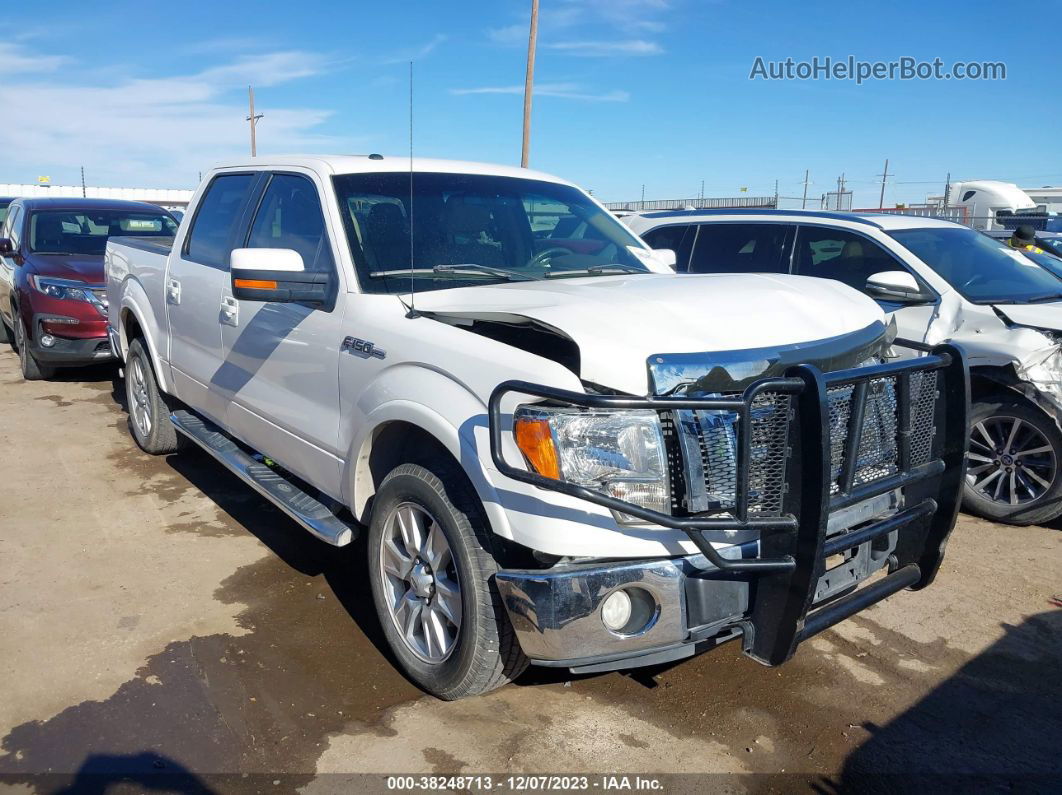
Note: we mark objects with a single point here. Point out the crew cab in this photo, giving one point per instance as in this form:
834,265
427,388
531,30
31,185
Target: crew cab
560,452
53,305
939,281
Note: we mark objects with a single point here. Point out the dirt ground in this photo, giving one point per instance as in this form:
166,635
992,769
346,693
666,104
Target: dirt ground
157,618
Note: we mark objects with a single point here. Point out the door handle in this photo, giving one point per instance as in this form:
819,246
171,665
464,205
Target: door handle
173,291
230,310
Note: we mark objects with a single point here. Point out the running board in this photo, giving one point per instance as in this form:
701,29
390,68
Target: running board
309,512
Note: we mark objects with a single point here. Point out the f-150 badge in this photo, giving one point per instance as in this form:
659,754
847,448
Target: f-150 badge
362,348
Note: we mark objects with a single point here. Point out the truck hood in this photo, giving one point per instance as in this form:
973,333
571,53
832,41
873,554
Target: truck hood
78,267
619,322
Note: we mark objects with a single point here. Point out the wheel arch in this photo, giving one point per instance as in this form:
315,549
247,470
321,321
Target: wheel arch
397,433
134,325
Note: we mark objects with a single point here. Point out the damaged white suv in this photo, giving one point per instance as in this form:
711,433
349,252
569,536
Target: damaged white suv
557,455
940,282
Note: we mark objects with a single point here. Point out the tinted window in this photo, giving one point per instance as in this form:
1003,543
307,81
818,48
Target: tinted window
840,255
210,238
13,226
968,195
740,248
982,269
678,238
4,204
467,229
290,216
86,231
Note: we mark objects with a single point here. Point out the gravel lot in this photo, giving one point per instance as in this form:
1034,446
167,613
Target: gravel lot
157,617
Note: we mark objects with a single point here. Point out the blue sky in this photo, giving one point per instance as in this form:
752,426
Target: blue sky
629,92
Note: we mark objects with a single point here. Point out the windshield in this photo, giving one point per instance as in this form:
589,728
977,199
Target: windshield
86,231
983,270
477,229
1052,245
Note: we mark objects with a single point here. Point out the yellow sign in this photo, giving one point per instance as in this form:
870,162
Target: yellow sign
44,180
744,190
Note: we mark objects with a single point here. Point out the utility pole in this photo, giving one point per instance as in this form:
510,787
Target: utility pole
643,195
840,189
884,175
84,193
947,190
804,201
253,119
529,81
776,194
702,192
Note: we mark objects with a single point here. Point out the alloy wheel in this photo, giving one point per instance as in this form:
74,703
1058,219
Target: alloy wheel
137,397
420,582
1010,461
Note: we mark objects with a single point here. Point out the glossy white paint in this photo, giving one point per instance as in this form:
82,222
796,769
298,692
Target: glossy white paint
266,259
275,376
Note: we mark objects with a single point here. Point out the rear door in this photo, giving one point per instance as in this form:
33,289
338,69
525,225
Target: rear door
197,273
741,248
281,360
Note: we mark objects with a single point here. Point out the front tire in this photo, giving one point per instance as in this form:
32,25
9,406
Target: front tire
32,370
1014,462
433,584
149,409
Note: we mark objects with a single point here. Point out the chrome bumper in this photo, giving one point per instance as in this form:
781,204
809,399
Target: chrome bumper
557,612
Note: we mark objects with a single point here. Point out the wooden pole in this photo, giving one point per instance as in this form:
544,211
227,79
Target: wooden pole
529,81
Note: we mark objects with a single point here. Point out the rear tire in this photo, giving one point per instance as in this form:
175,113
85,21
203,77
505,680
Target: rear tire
1015,449
149,408
32,370
474,654
5,332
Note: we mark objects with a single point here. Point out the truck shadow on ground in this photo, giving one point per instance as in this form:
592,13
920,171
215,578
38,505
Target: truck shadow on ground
995,724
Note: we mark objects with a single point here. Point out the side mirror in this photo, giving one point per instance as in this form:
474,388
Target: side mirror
665,256
6,246
275,275
899,286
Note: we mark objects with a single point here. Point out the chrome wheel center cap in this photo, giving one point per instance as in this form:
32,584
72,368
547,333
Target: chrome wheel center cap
422,579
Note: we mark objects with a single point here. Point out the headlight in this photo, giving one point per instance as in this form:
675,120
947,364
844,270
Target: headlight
67,290
619,453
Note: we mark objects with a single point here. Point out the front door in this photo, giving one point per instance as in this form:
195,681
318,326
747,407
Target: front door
281,360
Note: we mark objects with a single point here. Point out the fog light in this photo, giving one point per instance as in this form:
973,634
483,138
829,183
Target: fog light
616,611
47,340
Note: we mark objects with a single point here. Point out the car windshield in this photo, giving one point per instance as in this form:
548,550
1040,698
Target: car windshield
1052,245
983,270
470,229
86,231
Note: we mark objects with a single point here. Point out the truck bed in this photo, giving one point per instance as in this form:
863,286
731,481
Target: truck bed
155,244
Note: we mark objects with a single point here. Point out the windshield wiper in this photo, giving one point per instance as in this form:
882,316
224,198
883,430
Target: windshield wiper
1039,299
500,273
616,267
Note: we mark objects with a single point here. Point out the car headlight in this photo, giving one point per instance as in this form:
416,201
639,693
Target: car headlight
619,453
67,290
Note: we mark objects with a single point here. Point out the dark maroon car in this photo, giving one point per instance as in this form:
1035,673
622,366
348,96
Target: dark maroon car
53,305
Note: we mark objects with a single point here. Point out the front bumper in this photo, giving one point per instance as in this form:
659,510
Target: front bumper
804,572
90,346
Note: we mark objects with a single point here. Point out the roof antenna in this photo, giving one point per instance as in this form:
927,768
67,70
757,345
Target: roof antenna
412,310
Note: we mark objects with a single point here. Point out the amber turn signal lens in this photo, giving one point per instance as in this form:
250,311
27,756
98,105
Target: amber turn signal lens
535,441
254,284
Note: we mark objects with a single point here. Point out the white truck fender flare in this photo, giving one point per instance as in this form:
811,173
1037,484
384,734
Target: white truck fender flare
149,330
460,443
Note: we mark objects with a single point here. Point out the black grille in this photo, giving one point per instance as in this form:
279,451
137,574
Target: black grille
710,442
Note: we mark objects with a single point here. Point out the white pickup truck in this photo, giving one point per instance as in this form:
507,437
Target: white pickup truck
559,456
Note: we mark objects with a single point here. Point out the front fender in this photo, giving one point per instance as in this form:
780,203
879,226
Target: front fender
461,430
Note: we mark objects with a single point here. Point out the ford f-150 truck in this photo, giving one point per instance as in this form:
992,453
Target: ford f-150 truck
560,451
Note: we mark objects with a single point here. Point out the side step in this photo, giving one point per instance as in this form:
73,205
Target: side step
296,503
